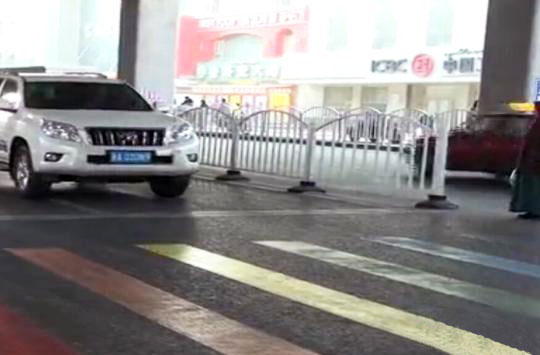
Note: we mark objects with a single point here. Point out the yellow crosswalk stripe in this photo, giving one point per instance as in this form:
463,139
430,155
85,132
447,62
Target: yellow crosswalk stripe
407,325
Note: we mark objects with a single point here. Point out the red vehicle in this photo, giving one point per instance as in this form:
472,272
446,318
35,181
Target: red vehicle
490,144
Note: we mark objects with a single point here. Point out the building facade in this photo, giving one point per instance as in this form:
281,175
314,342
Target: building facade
386,54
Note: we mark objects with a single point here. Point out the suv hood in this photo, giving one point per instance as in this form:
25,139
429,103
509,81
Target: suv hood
114,119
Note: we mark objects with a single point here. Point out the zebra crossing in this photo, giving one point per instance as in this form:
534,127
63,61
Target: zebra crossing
465,256
496,298
228,336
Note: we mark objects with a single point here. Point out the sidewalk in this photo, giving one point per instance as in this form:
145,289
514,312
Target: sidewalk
476,194
281,184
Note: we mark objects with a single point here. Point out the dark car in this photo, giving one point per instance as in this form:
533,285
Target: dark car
490,144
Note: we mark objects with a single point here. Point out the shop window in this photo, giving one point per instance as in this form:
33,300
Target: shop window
385,32
375,97
292,3
338,30
219,47
240,48
338,97
214,6
440,23
280,99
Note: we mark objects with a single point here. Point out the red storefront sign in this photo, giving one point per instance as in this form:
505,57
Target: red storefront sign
423,65
199,39
281,18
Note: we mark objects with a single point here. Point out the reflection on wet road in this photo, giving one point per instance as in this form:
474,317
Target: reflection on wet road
234,270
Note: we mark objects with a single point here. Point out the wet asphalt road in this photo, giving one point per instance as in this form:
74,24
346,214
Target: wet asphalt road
477,287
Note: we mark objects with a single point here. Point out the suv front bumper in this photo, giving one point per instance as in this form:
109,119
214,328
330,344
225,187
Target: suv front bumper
84,160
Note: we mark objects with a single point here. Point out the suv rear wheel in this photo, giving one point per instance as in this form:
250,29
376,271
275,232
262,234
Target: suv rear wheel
170,187
28,183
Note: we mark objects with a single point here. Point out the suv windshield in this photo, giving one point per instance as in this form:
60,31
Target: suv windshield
83,96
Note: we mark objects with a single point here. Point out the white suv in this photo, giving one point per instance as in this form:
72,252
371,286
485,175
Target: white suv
56,128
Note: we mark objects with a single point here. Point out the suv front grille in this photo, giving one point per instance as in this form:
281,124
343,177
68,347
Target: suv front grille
125,137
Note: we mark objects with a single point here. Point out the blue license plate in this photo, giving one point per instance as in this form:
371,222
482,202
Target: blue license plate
127,157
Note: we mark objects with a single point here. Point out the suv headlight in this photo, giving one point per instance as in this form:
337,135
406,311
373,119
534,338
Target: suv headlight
179,133
59,130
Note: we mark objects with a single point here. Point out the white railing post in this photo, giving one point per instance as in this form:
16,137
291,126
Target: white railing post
233,174
310,146
234,147
307,184
437,198
441,154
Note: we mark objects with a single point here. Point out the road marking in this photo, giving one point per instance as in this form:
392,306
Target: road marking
523,241
198,214
407,325
503,300
495,262
202,325
18,336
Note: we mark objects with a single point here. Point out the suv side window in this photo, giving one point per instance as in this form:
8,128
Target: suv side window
10,92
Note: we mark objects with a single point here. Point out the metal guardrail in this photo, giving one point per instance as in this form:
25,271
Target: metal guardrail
357,149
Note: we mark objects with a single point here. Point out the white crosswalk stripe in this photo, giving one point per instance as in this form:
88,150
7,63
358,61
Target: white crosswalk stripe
500,299
443,251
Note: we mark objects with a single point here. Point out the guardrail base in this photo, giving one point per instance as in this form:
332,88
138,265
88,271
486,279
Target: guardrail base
232,175
306,186
435,202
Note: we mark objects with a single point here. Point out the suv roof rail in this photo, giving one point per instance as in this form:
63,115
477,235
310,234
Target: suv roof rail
17,70
84,73
43,70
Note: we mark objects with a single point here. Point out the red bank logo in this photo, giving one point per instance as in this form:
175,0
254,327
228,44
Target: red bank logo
423,65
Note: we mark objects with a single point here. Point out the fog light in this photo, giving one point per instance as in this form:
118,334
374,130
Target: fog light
193,157
53,157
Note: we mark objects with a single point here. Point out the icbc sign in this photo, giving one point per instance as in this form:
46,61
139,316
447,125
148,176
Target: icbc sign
423,65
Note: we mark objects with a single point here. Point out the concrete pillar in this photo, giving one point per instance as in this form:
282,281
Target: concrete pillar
397,97
147,50
511,62
127,46
357,97
417,96
462,97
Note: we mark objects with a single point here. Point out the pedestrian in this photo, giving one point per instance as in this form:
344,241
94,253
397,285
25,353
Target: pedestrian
224,106
187,101
471,117
238,112
526,186
474,107
204,104
186,105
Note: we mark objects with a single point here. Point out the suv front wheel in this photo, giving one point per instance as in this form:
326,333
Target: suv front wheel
170,187
28,183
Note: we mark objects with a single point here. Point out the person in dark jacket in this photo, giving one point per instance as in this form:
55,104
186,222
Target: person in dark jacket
187,101
526,189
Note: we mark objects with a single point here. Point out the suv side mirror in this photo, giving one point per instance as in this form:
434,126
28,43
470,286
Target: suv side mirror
8,106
